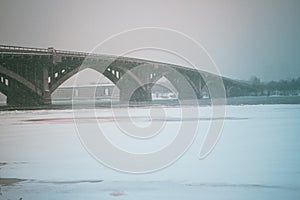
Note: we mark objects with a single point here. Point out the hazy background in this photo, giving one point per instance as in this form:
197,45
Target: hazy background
245,38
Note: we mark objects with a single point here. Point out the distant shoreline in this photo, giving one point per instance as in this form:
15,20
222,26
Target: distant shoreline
243,100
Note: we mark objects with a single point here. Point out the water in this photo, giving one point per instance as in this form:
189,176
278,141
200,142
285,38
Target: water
257,157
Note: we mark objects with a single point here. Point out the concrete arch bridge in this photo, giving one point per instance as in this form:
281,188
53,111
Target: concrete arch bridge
28,76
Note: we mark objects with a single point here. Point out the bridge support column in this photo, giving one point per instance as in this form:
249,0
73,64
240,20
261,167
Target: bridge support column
135,85
20,95
140,94
45,86
187,87
20,98
196,84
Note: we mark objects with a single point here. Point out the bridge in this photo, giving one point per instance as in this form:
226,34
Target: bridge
28,76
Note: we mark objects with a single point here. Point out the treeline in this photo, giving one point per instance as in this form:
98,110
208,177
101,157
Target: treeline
282,87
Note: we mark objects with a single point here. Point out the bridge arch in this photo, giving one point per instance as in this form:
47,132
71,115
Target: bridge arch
112,72
6,76
188,87
163,88
19,91
112,75
3,98
86,86
3,87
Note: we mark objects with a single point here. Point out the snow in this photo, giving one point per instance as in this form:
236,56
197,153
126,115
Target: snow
257,156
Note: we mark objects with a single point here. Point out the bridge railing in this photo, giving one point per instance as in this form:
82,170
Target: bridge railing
4,48
71,52
50,50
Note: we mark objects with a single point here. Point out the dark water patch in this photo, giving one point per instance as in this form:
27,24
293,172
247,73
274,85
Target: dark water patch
13,163
124,118
70,182
4,164
10,181
201,119
262,186
20,162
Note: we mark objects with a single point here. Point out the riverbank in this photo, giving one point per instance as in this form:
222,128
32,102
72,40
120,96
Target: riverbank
244,100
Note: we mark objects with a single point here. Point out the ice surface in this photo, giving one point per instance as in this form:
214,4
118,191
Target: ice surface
257,156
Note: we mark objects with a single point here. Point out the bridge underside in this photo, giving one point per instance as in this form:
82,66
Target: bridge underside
130,91
135,85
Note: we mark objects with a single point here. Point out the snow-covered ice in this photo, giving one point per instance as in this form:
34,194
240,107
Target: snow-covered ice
257,156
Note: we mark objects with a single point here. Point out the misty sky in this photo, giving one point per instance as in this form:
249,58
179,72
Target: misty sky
245,38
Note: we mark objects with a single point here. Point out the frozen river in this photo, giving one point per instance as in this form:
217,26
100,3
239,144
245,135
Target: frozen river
257,156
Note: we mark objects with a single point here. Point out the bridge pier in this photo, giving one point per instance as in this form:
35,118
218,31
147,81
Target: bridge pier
135,85
188,88
19,95
21,98
141,94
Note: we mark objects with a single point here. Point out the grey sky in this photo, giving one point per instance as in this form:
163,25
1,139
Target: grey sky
245,38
